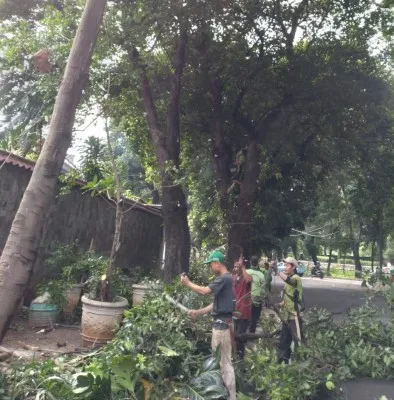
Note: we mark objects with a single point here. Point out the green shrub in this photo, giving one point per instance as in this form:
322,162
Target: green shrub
159,353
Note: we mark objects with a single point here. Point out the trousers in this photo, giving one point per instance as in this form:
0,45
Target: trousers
240,327
222,338
288,333
256,313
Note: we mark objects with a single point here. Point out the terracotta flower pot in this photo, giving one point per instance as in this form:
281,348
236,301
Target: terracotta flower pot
100,320
139,292
73,295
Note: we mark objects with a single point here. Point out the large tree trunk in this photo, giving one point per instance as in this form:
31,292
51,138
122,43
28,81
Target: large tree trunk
372,255
18,257
329,261
176,232
380,246
356,257
166,144
311,248
241,219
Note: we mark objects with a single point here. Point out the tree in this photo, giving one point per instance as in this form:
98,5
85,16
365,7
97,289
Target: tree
276,93
280,105
18,255
163,69
27,91
93,150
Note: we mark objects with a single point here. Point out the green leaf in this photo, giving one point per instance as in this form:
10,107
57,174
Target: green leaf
330,385
168,352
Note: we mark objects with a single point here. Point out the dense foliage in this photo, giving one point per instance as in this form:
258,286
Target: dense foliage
158,353
305,86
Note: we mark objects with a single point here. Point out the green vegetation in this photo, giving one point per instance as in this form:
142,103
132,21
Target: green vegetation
159,353
262,127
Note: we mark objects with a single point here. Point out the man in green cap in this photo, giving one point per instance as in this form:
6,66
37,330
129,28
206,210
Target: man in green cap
222,311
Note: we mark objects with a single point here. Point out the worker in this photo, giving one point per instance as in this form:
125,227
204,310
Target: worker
258,292
222,312
291,309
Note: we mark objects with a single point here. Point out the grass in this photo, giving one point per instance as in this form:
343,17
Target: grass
337,273
341,274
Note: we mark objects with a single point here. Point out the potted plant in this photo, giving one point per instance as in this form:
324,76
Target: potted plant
71,264
143,288
103,307
74,277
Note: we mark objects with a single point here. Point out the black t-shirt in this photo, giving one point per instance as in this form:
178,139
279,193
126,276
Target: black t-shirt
223,302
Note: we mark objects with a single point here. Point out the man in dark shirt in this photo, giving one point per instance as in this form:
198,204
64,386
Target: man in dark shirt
222,311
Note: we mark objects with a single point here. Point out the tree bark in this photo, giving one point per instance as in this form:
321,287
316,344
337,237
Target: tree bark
380,245
166,144
372,255
242,215
329,261
221,157
311,248
176,231
18,257
356,257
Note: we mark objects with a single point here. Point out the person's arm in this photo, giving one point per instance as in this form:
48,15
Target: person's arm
246,275
201,311
185,281
288,279
283,276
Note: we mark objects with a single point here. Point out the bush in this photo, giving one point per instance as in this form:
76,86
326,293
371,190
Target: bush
361,347
159,353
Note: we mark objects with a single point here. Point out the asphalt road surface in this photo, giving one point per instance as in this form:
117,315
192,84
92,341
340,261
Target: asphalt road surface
338,296
335,295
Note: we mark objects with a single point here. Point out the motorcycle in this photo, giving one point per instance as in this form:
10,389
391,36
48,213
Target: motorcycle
317,271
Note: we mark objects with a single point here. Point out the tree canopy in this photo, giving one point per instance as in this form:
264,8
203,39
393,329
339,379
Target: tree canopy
249,108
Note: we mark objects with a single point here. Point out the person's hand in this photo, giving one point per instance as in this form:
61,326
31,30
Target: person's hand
193,314
185,281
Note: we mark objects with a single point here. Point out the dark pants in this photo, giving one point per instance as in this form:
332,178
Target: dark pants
287,335
256,312
240,327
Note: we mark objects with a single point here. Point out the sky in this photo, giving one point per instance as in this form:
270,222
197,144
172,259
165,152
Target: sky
92,126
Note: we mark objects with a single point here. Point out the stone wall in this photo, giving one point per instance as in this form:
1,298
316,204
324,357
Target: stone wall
79,216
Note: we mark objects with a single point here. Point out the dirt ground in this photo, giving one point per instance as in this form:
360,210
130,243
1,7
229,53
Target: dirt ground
22,335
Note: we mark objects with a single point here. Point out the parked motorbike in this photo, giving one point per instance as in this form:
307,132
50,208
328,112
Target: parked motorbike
317,271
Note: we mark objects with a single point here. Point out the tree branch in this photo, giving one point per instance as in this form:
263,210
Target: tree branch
158,138
173,120
222,159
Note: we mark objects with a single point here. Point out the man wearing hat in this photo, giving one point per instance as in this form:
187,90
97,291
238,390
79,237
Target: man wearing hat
222,311
291,309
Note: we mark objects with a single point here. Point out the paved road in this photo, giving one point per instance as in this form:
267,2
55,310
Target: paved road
337,296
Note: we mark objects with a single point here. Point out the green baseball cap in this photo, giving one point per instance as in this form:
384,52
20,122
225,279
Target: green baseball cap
215,256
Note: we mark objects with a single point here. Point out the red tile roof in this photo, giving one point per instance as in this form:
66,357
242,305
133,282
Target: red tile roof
13,159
